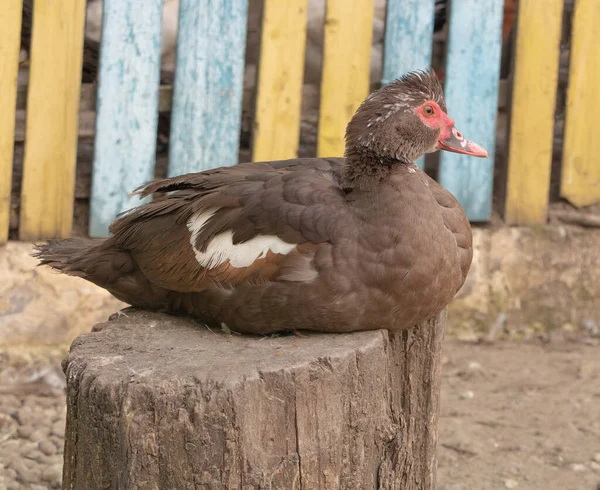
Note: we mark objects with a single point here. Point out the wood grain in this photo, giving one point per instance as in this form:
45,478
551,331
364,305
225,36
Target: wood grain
207,99
280,76
532,117
309,94
53,109
408,39
581,167
127,108
471,89
345,79
342,411
10,31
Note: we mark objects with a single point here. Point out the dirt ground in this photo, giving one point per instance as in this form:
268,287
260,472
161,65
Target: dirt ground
521,416
514,415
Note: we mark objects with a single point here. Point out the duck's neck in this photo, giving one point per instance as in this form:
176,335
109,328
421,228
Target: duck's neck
366,170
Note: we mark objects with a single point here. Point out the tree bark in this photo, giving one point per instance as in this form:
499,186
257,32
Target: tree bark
157,401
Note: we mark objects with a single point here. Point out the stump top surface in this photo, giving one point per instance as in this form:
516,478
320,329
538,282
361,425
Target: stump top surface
160,347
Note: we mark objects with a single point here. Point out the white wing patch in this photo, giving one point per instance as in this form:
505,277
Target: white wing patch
221,247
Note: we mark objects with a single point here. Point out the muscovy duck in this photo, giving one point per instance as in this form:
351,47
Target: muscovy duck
363,242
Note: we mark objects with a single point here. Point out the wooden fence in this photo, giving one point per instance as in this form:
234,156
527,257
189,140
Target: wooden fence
208,88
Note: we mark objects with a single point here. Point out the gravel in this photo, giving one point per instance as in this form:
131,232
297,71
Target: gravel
32,418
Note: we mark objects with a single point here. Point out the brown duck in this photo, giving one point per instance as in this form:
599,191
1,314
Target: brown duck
363,242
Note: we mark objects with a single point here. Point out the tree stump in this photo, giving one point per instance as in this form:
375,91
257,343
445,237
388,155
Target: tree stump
160,402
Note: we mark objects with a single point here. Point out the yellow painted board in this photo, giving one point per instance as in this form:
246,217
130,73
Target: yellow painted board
52,118
10,42
281,70
581,163
532,118
346,67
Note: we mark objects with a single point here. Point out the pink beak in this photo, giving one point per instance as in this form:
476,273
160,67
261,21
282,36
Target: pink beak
456,143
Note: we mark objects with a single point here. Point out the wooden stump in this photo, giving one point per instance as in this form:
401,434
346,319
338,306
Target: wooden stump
159,402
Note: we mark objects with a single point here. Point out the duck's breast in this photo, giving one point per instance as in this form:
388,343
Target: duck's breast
413,246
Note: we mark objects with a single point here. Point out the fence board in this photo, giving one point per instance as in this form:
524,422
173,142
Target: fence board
581,169
280,76
532,118
346,59
53,108
10,29
127,107
472,78
408,39
207,98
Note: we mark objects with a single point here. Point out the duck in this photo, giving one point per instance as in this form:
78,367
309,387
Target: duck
361,242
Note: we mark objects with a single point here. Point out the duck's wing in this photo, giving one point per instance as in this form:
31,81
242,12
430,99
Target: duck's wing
253,222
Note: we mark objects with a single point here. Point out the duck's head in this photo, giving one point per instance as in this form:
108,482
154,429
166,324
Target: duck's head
404,120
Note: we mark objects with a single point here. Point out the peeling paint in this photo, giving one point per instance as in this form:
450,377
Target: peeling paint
127,107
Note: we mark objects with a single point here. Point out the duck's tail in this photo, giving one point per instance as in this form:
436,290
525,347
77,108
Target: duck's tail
104,264
68,255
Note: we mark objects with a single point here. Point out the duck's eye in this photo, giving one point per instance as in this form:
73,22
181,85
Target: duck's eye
428,110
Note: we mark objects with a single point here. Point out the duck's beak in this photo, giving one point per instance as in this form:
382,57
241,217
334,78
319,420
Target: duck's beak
454,141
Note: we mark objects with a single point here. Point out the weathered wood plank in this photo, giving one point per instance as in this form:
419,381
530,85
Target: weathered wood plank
279,90
408,39
86,126
472,79
53,110
533,104
207,100
345,78
344,411
127,107
309,94
88,97
581,169
10,37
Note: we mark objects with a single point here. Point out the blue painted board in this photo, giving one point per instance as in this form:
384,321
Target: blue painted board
471,89
207,98
408,39
127,107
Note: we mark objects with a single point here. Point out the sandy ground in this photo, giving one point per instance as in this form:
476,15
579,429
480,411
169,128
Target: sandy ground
513,415
520,416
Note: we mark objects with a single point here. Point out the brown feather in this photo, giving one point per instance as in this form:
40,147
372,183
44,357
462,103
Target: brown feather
373,241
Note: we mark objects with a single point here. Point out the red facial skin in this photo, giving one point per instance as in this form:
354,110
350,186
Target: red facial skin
438,119
450,138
